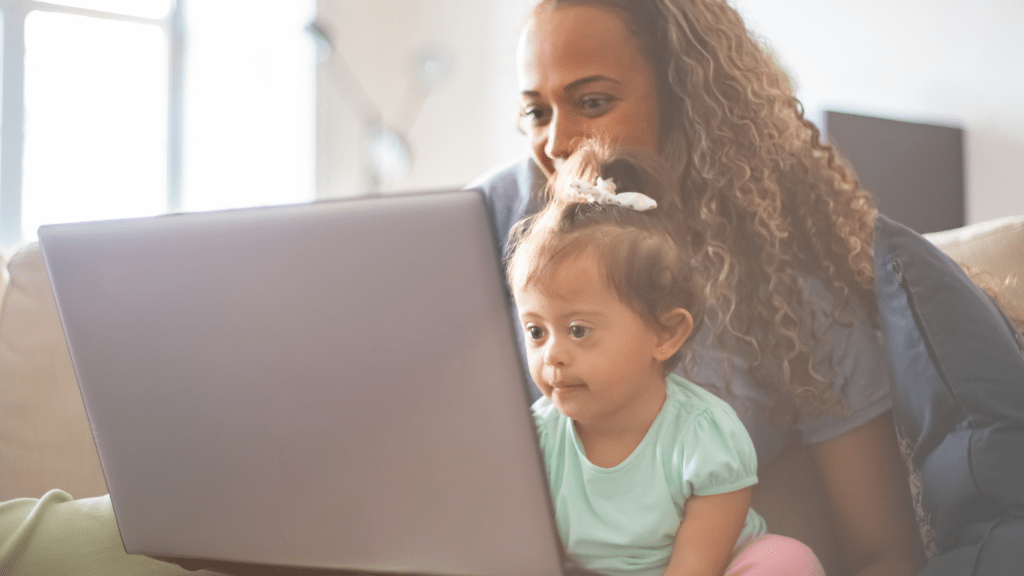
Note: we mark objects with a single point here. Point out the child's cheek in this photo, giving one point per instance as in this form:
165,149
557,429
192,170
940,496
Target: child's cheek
536,363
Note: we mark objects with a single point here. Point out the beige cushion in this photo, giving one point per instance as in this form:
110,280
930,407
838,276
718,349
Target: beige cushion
45,441
3,274
994,246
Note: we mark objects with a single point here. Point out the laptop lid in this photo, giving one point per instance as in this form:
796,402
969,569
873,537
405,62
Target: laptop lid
333,385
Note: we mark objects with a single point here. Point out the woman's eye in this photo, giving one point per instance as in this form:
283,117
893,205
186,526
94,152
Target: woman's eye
594,104
578,331
534,115
535,332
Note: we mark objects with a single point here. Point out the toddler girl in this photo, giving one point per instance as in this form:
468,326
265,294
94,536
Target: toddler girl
649,473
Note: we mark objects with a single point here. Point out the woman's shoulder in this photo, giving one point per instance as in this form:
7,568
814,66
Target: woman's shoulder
512,191
819,297
512,183
847,346
505,178
850,347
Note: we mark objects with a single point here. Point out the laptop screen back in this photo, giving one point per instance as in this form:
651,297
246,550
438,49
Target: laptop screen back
331,385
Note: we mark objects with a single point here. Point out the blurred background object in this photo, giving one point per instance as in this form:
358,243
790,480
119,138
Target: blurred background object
914,169
117,108
387,156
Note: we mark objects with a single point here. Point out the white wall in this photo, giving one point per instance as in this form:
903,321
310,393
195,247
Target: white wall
958,62
952,62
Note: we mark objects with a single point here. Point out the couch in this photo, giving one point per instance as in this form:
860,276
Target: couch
45,441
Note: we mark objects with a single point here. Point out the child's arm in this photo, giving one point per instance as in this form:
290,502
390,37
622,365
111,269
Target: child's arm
708,533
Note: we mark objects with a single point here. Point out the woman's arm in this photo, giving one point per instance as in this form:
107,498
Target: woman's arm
866,487
708,533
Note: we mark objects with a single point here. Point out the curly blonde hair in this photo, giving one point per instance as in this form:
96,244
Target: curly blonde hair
764,202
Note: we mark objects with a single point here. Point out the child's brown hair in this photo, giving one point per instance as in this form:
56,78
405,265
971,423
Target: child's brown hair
644,262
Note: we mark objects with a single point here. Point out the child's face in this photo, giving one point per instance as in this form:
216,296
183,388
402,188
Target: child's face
590,353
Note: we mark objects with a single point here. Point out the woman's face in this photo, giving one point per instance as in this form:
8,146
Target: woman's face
582,74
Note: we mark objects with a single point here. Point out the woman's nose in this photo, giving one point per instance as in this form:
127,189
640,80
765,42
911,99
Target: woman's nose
562,135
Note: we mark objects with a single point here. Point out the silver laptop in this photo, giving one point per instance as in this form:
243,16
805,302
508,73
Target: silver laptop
331,386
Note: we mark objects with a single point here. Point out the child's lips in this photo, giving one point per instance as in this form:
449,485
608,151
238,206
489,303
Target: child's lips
567,386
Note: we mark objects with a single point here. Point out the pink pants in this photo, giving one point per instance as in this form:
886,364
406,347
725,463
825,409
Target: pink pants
773,555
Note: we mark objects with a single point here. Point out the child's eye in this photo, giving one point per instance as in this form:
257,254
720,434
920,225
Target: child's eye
535,332
578,331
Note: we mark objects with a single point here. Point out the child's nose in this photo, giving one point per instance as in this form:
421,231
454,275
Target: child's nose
556,353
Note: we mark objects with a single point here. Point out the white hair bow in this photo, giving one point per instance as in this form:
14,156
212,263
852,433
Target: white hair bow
604,193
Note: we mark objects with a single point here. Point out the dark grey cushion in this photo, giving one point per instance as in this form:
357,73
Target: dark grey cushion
958,390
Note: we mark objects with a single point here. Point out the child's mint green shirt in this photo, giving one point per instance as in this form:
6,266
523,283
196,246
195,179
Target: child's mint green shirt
623,520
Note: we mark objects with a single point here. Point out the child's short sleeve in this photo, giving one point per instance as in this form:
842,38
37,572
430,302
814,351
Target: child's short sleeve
714,453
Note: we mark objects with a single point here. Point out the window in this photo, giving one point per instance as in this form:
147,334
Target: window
249,104
106,114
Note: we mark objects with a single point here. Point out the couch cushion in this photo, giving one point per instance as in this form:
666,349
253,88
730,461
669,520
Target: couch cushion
995,247
45,441
958,392
3,274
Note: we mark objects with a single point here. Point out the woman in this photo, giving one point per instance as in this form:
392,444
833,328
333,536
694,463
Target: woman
782,230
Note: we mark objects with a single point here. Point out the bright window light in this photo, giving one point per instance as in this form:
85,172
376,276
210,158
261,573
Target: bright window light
140,8
97,106
250,101
95,120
